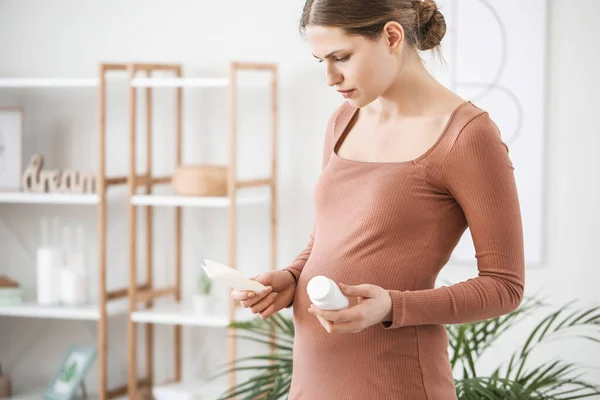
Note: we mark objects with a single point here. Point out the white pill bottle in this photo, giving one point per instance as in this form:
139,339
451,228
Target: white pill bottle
326,294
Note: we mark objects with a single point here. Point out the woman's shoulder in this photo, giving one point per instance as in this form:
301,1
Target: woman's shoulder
475,136
338,119
474,123
339,114
466,112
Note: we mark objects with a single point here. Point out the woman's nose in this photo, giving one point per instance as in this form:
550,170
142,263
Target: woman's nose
333,77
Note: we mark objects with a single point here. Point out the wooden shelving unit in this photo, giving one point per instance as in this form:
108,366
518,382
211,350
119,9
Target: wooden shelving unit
110,303
178,314
127,299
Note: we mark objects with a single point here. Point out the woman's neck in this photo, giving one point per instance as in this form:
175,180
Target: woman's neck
414,93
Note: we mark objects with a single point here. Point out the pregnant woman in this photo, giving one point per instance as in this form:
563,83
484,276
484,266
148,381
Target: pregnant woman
407,166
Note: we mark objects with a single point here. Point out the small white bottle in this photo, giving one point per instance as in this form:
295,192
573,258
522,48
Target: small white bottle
326,294
73,277
48,260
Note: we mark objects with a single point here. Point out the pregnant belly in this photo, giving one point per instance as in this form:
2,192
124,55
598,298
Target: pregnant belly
391,271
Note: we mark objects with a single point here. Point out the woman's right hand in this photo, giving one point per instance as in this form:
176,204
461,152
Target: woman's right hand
281,287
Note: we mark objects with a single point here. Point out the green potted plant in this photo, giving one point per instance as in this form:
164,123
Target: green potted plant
201,298
516,377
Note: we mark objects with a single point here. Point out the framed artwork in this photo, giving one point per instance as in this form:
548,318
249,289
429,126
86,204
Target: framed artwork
11,147
71,374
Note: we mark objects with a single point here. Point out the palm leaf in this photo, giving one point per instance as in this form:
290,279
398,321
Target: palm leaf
273,380
488,388
469,341
556,323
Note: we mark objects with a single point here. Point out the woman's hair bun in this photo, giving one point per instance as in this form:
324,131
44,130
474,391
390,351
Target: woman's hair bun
430,25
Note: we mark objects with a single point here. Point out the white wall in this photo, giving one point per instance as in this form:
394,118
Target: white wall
69,38
572,219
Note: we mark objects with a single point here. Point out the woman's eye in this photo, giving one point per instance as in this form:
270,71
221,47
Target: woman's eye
342,59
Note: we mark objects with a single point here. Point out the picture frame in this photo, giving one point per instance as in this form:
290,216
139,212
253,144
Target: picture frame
11,147
71,373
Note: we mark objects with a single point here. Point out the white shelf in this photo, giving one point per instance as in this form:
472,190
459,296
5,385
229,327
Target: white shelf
184,314
48,82
196,82
180,82
48,198
189,201
135,82
197,390
31,394
85,313
38,394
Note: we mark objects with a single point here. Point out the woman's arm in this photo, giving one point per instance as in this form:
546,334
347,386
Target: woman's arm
479,174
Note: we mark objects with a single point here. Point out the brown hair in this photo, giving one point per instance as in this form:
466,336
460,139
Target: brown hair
424,25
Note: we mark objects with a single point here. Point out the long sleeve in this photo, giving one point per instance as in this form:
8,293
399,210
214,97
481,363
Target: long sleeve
479,175
296,266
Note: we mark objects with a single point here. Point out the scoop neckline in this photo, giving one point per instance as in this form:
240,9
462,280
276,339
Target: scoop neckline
414,160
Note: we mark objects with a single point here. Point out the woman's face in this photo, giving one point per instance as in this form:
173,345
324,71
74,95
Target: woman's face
361,69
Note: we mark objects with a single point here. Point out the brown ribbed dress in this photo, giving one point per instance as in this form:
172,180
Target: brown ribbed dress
395,225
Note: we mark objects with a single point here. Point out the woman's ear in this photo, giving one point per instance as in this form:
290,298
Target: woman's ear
393,34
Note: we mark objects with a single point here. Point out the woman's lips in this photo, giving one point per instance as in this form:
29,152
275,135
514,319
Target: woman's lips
346,93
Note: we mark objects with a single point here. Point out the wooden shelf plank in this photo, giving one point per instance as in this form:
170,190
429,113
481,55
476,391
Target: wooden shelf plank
85,313
48,198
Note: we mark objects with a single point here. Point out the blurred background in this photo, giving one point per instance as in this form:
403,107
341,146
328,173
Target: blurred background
531,63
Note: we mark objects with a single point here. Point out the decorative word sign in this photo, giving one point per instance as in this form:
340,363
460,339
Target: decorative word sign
51,181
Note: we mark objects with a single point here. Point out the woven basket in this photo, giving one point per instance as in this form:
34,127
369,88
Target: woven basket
200,180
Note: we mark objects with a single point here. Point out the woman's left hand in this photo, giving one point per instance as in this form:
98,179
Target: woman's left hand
374,306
